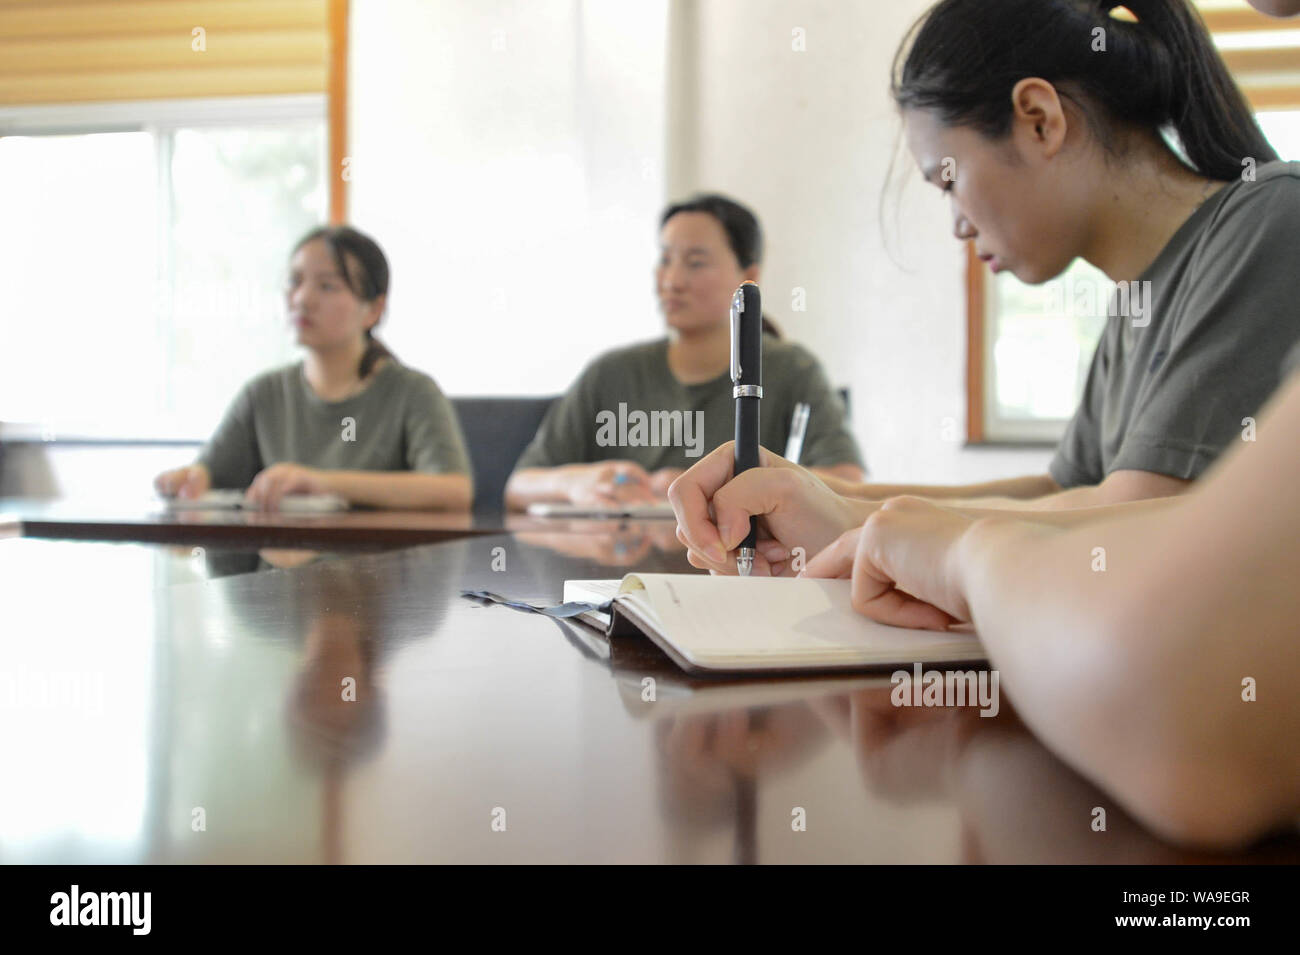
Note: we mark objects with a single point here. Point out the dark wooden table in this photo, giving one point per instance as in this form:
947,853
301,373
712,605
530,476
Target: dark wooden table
163,706
149,522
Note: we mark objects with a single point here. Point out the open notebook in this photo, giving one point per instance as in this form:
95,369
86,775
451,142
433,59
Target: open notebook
738,624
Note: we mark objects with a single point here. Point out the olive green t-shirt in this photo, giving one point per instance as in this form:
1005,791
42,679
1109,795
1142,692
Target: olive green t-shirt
627,404
1186,357
401,421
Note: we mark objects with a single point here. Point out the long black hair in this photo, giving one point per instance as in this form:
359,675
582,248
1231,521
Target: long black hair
963,58
744,234
368,278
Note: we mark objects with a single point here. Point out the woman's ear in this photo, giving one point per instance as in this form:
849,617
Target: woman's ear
1038,116
375,311
751,274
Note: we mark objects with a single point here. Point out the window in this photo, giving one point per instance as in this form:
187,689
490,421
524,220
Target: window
144,256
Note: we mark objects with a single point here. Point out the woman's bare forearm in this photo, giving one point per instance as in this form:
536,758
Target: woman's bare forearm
1133,646
1030,486
1073,516
849,473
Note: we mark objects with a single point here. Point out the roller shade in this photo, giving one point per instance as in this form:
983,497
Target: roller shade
76,51
1262,52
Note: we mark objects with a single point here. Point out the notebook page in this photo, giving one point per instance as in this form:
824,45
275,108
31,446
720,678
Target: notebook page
739,622
591,591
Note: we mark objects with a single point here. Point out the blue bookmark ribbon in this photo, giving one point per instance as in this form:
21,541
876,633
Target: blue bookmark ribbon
570,609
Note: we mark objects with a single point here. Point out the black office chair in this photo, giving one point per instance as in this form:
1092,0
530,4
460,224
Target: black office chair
497,430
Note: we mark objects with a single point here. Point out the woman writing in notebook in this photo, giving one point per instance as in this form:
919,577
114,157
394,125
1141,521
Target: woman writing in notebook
709,246
349,419
1049,148
1152,650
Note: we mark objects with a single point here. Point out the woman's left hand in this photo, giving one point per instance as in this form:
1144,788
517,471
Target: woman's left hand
275,482
903,563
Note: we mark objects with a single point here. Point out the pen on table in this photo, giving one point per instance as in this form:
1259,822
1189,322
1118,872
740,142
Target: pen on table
798,428
747,389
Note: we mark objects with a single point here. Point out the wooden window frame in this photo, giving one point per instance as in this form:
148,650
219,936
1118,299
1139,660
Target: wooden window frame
337,93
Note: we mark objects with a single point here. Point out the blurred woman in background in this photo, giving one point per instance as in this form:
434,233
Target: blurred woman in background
349,419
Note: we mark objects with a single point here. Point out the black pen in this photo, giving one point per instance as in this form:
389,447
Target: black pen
747,389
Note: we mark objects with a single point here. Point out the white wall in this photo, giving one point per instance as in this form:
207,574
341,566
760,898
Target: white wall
509,158
512,159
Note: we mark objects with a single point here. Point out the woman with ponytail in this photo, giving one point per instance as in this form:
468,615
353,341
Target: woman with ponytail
1048,125
349,419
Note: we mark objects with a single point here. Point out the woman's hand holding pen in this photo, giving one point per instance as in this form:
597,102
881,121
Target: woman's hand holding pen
908,558
794,507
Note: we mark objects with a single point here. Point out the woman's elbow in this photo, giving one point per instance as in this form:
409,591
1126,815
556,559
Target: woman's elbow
462,493
448,492
1193,777
1214,804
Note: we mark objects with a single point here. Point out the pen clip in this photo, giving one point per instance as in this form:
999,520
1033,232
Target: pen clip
737,307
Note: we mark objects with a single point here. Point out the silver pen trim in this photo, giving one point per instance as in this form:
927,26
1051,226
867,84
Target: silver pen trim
745,562
737,307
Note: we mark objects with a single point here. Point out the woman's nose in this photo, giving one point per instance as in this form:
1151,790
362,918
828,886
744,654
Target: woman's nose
962,228
671,278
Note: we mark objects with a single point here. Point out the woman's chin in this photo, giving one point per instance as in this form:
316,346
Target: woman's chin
688,323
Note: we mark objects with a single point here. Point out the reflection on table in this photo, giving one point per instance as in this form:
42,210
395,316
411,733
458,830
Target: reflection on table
354,708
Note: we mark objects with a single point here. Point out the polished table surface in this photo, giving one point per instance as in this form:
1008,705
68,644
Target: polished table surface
148,520
182,704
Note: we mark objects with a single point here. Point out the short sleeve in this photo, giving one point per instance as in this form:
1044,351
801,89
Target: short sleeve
434,442
828,441
231,454
1238,314
1291,363
1078,459
564,432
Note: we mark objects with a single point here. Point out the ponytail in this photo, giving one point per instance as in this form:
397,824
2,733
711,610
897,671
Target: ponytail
1198,96
375,350
963,58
